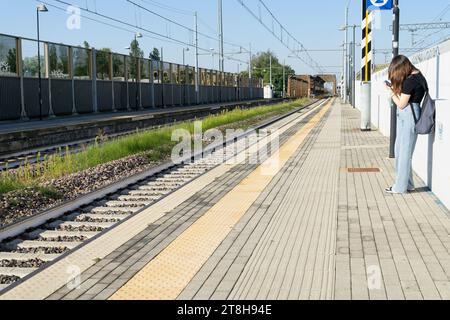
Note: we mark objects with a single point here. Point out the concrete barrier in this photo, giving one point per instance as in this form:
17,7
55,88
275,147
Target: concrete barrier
10,98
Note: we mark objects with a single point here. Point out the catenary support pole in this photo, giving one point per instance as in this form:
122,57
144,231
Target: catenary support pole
353,77
270,67
346,65
197,76
221,64
284,79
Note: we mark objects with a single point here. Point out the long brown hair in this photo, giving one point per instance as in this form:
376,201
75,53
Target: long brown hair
400,69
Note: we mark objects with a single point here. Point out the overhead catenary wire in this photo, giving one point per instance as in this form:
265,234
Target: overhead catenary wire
307,59
289,34
191,13
438,18
178,24
168,8
107,24
175,41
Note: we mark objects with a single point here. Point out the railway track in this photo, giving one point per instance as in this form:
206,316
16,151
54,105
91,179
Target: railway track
34,243
18,159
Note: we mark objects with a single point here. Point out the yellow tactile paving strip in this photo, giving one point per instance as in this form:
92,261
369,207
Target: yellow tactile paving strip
165,277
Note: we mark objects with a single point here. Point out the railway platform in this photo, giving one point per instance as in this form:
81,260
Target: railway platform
314,224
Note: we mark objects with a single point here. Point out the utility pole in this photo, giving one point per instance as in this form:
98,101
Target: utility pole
346,56
270,66
343,73
197,80
250,62
353,76
395,51
221,64
284,78
162,77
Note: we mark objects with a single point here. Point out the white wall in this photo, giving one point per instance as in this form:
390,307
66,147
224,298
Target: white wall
441,153
432,157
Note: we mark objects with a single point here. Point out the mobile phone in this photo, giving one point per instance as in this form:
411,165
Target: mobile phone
388,83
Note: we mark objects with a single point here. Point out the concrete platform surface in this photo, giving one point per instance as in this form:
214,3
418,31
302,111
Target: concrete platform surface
318,226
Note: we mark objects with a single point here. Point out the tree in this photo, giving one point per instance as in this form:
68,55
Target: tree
53,58
154,55
135,54
11,60
30,66
261,69
103,63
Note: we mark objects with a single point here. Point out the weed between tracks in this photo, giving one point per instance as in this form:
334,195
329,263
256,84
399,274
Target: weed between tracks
154,144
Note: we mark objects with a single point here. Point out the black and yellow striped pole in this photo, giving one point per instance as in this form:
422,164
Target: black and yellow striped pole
366,67
366,44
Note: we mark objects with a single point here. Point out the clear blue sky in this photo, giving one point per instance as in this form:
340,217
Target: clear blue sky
314,23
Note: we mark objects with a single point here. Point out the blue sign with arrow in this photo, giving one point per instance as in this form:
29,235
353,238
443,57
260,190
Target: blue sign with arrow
379,4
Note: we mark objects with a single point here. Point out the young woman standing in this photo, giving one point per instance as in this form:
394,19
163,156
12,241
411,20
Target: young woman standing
408,87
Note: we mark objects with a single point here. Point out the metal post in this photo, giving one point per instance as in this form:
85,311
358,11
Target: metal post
343,73
250,62
354,68
162,78
346,57
19,63
221,63
284,79
184,57
238,84
152,81
39,67
197,80
270,66
136,75
111,77
395,51
250,82
93,60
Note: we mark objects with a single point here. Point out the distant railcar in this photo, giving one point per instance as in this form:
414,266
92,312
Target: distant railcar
308,86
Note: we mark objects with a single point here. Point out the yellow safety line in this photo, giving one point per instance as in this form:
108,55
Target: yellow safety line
367,46
166,276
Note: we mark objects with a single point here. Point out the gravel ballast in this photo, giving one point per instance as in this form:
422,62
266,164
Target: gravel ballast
24,203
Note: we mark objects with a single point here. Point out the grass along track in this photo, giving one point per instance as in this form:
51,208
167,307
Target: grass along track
155,144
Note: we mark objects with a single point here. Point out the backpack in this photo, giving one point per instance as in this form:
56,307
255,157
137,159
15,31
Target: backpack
427,122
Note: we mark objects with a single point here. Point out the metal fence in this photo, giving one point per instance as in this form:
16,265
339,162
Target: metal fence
77,80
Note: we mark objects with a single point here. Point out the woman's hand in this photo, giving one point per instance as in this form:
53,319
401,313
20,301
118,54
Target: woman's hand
388,88
401,101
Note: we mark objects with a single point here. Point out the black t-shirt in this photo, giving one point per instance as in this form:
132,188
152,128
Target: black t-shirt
414,86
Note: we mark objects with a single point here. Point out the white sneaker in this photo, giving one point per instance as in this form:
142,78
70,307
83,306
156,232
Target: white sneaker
390,191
